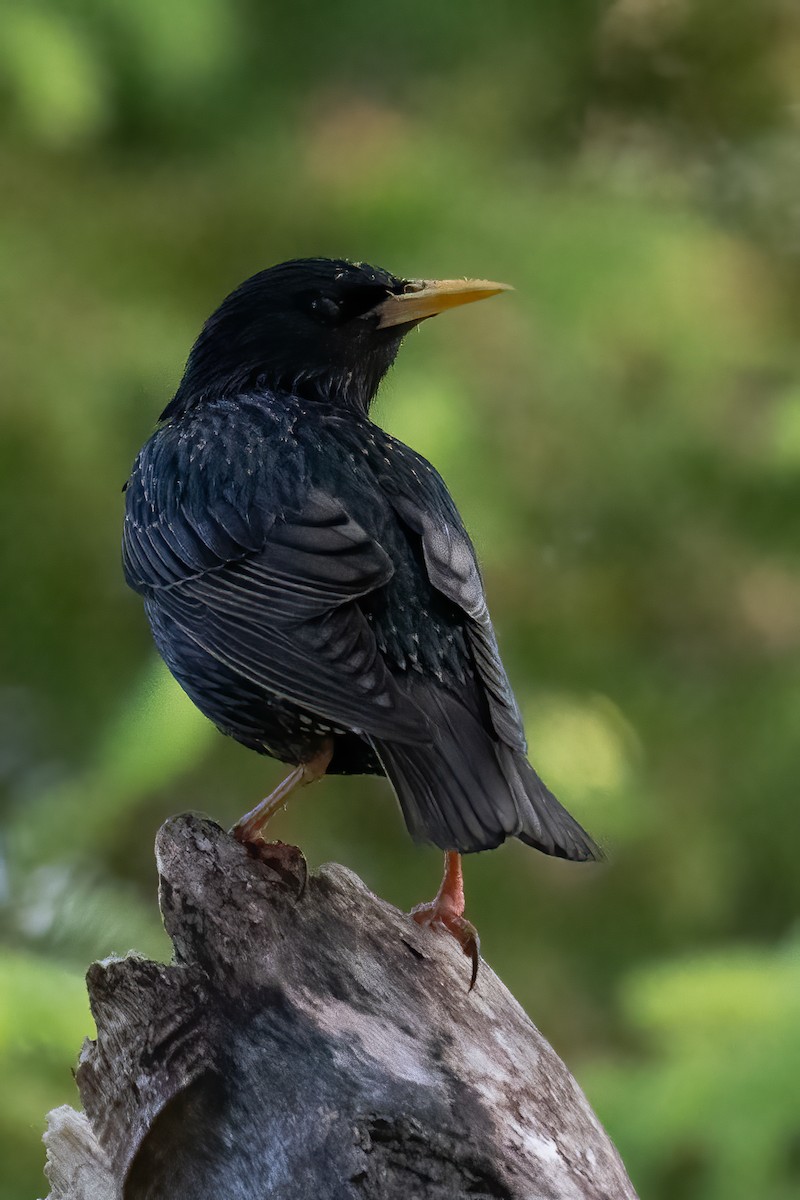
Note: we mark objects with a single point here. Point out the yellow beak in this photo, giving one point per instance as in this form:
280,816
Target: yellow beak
426,297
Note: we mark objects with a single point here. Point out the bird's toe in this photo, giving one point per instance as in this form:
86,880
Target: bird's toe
436,915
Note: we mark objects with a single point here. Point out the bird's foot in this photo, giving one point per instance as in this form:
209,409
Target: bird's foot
465,933
447,912
287,862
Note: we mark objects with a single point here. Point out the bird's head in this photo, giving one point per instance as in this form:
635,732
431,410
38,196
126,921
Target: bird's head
321,328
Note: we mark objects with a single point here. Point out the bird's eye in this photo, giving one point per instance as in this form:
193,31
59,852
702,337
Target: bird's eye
326,309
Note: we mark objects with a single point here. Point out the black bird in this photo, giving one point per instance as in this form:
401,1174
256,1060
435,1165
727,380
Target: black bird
309,581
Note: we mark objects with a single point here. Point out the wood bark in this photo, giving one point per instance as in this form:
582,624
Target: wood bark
310,1041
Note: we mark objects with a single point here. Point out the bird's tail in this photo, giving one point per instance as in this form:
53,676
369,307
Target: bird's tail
545,823
466,791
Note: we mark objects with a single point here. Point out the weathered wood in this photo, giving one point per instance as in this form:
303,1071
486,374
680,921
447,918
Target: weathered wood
318,1045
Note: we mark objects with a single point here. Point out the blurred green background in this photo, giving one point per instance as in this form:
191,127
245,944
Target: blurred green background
622,434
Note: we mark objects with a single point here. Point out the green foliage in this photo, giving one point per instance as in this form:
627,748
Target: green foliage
622,434
44,1016
711,1112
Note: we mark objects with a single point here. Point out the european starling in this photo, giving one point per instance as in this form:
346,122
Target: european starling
309,581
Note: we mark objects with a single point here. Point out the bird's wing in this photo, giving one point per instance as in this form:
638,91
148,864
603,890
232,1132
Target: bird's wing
273,599
420,498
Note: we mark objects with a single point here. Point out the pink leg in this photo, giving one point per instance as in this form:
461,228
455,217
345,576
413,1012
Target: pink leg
250,827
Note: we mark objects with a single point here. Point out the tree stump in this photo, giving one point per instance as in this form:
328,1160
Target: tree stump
310,1041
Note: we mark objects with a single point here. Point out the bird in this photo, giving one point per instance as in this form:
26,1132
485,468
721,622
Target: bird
308,579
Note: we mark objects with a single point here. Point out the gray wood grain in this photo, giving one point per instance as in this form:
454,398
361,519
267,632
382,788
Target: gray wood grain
318,1045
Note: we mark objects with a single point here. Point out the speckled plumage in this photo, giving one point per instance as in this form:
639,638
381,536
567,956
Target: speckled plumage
307,576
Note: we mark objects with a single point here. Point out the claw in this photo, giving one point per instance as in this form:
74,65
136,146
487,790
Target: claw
447,912
288,863
473,949
434,916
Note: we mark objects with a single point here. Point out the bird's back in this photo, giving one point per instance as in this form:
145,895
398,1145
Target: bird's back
306,575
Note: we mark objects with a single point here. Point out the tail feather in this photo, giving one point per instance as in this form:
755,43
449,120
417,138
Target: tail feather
545,823
467,791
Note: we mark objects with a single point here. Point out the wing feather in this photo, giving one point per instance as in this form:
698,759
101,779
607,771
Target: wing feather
453,570
282,614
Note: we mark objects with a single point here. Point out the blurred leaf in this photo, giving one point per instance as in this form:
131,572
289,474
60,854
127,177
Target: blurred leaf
155,738
43,1007
44,1017
52,69
714,1111
586,750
